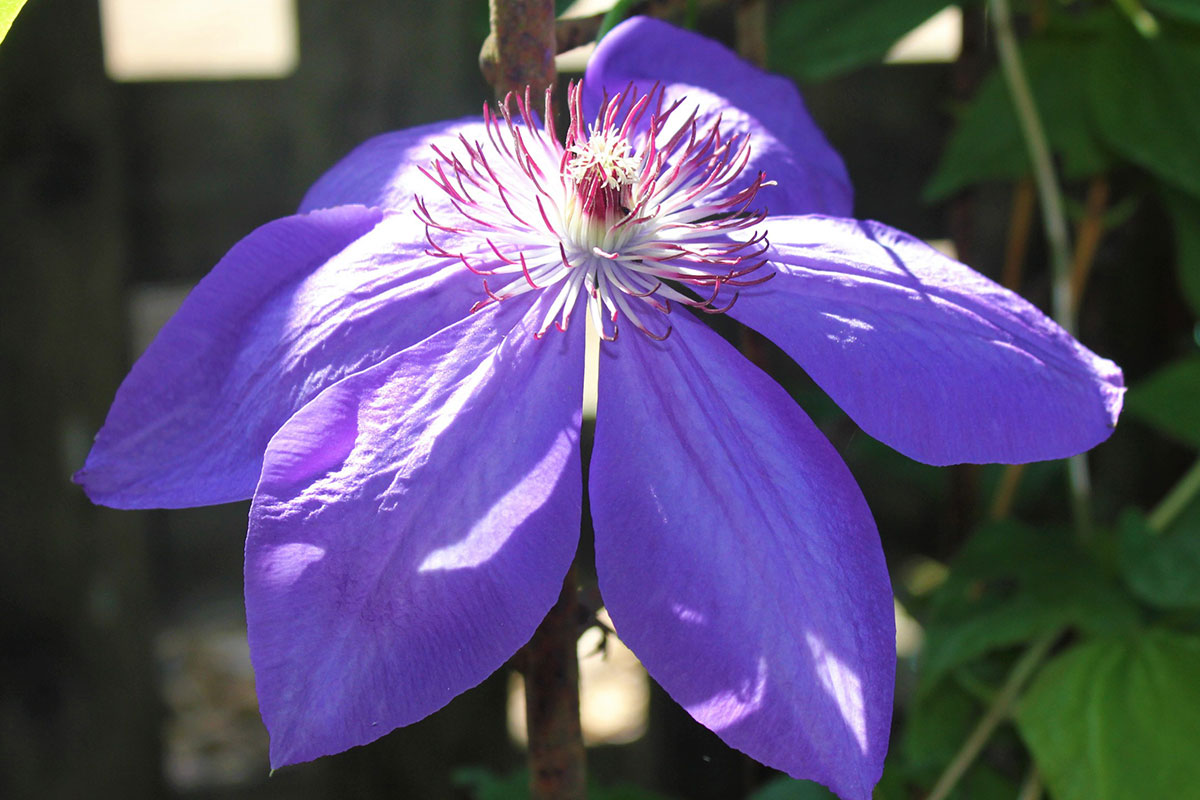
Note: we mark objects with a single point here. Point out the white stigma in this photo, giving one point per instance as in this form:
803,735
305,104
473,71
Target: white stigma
606,153
623,218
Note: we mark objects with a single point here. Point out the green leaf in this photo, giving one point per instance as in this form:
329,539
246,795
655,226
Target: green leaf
984,782
8,12
1187,10
785,788
816,39
892,785
1169,400
485,785
1142,20
934,729
935,726
1162,569
1010,584
614,17
1145,102
1116,719
1185,219
622,792
987,143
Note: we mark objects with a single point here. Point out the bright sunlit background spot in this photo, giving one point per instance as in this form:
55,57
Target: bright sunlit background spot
614,693
938,39
944,246
909,633
150,40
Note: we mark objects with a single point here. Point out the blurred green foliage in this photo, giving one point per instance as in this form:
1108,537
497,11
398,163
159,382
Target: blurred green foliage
987,144
1169,400
1110,99
817,39
1116,717
1115,711
1010,584
484,785
1161,569
788,789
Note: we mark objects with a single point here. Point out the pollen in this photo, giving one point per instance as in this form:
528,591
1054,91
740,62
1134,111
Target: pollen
646,207
605,155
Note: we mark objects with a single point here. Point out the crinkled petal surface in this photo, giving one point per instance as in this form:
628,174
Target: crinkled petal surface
294,307
384,170
707,76
925,354
738,558
412,527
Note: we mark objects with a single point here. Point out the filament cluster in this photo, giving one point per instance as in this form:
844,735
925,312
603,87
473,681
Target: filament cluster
638,210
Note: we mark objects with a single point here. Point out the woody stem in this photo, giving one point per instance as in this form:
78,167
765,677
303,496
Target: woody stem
557,761
519,56
520,50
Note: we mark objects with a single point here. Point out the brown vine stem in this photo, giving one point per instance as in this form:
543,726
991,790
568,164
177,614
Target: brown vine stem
750,29
1087,242
1031,789
557,760
1087,238
962,506
518,56
519,52
1054,221
1006,491
1020,224
1171,506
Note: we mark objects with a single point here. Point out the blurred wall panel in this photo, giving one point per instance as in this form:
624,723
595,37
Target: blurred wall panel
108,190
78,709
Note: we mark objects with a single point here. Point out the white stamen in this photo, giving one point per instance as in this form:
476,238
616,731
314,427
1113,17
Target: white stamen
606,218
608,153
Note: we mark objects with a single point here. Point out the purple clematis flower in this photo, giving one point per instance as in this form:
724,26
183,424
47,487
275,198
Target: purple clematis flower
395,376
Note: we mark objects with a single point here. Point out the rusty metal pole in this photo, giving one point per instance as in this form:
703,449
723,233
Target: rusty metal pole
519,53
557,761
520,50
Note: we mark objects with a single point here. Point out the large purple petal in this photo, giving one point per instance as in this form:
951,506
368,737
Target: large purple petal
925,354
295,306
412,527
384,170
738,558
707,76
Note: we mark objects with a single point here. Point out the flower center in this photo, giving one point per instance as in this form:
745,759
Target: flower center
603,170
643,208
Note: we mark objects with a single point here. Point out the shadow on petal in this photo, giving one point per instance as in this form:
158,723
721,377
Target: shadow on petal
739,561
925,354
509,512
446,532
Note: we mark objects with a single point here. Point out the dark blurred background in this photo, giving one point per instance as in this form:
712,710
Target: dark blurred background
123,666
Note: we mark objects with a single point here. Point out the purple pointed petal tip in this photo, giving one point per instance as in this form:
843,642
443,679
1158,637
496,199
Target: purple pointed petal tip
294,307
166,441
924,353
739,560
389,565
787,144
